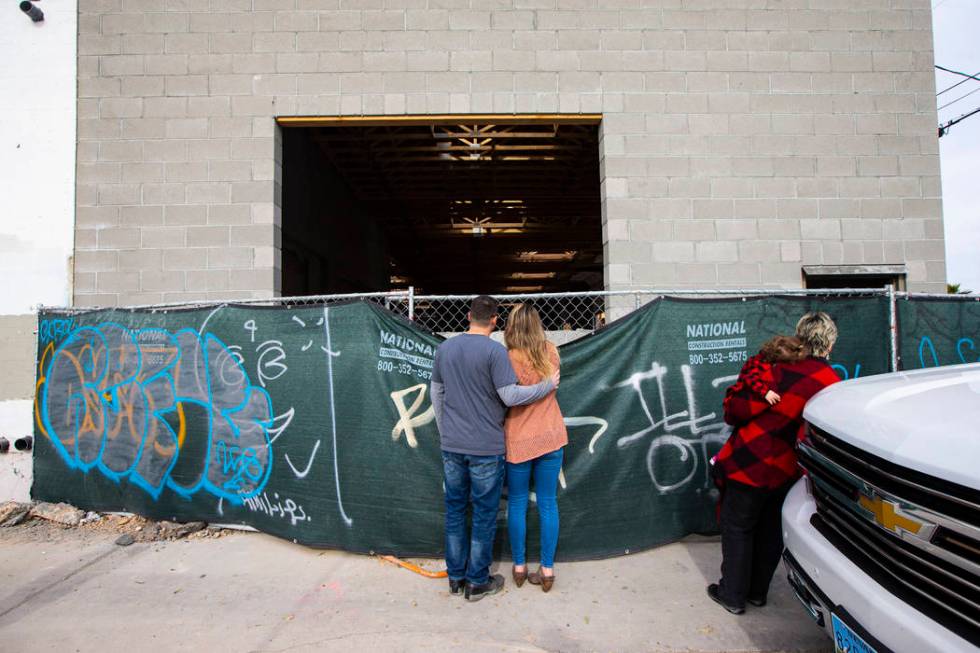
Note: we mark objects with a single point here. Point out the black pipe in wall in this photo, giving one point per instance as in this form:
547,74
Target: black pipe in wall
32,12
4,445
24,444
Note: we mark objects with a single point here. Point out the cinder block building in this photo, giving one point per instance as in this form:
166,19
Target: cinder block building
243,148
224,149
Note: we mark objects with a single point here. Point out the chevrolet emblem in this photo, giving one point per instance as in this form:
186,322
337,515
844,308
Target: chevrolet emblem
885,515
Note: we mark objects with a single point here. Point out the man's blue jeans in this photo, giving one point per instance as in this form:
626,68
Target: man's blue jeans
476,480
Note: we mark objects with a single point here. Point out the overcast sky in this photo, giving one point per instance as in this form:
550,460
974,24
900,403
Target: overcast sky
956,23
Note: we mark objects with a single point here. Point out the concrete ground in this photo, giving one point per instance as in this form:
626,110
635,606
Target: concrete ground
77,591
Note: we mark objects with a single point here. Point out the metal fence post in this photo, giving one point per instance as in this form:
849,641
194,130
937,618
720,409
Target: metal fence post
892,326
411,303
37,344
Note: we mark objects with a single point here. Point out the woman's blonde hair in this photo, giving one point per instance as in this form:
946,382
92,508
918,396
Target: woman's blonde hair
525,334
818,332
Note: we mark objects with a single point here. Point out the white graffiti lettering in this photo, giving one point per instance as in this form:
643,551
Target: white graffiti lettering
407,418
309,464
686,432
277,507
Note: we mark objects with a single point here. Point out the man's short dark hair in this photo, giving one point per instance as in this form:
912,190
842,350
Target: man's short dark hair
482,309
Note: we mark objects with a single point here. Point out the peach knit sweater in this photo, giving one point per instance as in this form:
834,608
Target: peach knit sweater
536,429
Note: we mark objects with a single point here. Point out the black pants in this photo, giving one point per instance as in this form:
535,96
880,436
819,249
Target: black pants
751,540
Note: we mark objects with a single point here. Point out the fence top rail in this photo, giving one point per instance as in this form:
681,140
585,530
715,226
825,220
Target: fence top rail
966,297
670,292
410,295
307,299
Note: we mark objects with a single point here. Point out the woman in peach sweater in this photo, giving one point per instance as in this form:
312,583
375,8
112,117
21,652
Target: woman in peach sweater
535,437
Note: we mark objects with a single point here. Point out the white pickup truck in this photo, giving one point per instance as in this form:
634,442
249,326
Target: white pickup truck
883,533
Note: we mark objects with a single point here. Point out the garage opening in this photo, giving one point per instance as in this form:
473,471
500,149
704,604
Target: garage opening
449,205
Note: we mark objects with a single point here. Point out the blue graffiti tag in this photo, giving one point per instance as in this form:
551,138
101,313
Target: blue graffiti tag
926,341
927,350
844,373
959,350
54,330
116,400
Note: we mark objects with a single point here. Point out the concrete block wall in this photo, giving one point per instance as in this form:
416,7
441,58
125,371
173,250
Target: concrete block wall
17,354
741,139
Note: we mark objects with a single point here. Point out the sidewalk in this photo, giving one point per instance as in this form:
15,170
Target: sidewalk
70,590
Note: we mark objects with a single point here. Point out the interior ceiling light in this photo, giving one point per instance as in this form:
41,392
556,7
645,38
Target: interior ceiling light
481,227
531,276
444,155
544,257
477,227
524,288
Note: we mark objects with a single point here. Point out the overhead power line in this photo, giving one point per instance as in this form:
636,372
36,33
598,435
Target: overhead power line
974,76
966,95
956,72
944,129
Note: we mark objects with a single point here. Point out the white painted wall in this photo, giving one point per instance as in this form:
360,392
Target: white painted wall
37,154
37,185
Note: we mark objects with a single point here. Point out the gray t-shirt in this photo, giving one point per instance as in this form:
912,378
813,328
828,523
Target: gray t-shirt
471,367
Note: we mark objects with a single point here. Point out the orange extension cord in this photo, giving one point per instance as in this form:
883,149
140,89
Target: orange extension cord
418,570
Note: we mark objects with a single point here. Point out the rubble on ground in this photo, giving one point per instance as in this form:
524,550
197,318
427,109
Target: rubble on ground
175,530
60,513
13,513
152,531
131,528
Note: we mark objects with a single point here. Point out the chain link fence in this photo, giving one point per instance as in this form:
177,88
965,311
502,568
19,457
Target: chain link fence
566,316
568,313
571,311
569,316
397,302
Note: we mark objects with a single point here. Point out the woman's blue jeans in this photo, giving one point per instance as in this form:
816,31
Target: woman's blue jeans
545,471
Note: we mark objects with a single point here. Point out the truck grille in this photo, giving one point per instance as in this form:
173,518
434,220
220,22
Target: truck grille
916,535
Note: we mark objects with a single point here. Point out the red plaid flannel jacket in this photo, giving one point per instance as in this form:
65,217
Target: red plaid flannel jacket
762,450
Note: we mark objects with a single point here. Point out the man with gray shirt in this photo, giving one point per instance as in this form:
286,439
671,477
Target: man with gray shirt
473,383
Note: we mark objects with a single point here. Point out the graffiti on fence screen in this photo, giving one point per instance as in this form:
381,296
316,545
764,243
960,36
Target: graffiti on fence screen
53,330
316,424
141,404
686,432
964,351
411,417
277,507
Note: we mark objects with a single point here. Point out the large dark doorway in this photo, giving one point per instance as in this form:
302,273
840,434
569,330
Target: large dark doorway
453,205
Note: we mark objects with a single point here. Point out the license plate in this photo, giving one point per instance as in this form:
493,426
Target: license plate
846,640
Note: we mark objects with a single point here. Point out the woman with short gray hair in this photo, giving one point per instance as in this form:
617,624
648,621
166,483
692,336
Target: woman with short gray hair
758,466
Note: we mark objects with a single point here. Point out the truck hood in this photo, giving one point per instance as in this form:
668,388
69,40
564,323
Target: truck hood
927,420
